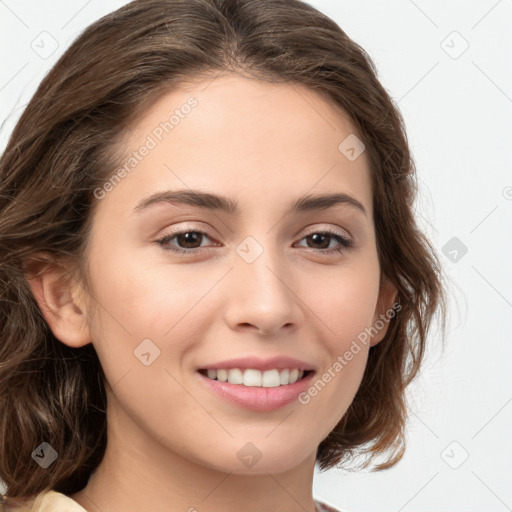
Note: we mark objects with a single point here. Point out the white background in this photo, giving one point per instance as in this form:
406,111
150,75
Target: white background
457,106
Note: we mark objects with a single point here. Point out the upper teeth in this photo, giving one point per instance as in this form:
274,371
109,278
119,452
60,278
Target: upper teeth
250,377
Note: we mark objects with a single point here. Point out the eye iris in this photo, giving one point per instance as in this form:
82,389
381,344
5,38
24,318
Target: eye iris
190,237
315,236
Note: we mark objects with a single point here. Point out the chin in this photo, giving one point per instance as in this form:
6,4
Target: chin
249,460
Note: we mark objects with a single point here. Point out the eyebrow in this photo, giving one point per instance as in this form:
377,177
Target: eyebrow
210,201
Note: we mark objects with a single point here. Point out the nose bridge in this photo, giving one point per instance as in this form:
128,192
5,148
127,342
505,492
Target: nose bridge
263,295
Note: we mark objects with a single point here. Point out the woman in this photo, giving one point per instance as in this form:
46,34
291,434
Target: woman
211,274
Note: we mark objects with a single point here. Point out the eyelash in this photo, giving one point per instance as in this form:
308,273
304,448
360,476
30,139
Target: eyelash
345,243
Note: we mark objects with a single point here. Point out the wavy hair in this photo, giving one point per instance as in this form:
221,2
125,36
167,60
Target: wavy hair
63,148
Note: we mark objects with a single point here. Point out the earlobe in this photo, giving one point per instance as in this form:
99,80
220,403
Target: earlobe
53,290
384,310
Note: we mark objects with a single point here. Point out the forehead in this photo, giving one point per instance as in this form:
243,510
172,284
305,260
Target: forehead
239,137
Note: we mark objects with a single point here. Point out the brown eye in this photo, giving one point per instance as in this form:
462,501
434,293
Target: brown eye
186,241
321,240
189,239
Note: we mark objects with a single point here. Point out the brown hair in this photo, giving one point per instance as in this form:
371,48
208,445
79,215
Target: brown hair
63,147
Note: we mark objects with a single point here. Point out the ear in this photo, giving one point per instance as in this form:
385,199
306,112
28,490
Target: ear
386,309
58,297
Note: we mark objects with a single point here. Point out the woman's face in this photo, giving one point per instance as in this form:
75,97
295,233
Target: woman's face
259,282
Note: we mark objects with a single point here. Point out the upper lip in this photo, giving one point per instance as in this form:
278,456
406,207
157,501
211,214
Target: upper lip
257,363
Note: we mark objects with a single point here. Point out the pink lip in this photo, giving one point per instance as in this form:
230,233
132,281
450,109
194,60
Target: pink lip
256,363
258,398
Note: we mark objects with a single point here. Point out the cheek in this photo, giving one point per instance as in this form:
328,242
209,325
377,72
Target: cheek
345,301
139,306
147,298
346,313
154,312
344,306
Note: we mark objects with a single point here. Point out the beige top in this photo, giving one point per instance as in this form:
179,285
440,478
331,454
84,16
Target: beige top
53,501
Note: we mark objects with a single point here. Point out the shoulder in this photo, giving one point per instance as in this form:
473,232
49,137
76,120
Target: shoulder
323,507
51,501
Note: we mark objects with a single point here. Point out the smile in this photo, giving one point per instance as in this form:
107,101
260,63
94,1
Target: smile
256,378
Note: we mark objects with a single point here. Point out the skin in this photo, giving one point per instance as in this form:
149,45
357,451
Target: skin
172,444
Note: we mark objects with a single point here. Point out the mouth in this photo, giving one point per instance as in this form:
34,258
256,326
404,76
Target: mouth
255,378
264,390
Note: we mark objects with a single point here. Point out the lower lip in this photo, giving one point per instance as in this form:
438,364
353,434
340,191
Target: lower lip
258,398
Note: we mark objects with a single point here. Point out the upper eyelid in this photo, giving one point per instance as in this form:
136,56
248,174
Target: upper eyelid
316,229
310,228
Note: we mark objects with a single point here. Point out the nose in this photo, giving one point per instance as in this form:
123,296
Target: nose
263,295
